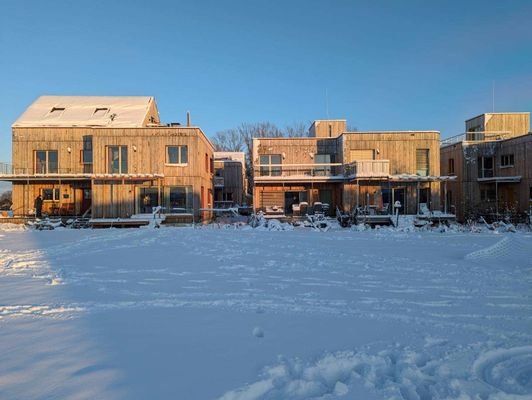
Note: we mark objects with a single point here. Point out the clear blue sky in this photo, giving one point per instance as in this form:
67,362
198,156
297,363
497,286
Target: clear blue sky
386,65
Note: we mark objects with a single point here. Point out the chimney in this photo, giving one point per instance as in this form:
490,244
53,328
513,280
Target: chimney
188,118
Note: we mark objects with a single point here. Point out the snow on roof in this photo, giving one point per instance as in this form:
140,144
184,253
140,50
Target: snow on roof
106,111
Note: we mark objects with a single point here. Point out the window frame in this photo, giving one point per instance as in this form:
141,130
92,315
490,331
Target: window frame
56,194
179,148
46,165
450,166
122,150
266,169
507,160
426,170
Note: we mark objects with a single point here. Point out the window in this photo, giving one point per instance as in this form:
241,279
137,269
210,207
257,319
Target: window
485,167
177,154
422,162
46,162
361,154
206,162
117,159
322,170
86,154
451,166
50,194
55,112
179,199
507,160
270,165
100,112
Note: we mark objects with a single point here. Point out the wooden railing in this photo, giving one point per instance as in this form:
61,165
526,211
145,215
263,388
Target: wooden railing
368,168
318,170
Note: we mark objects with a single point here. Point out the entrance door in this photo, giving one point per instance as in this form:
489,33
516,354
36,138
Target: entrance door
148,198
399,195
326,197
291,198
86,200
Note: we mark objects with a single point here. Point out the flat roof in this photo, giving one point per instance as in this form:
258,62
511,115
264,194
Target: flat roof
498,113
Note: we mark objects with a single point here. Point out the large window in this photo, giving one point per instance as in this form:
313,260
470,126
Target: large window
270,165
46,162
507,160
422,162
117,159
322,170
485,167
177,154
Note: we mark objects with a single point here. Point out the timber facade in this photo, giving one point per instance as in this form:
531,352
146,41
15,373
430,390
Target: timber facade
230,182
348,170
492,161
109,156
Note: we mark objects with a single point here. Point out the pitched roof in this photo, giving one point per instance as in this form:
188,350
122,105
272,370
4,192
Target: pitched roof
104,111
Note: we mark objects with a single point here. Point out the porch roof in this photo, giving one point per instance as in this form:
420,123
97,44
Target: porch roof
65,177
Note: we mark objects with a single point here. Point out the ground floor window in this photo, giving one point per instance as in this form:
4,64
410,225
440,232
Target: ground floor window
50,194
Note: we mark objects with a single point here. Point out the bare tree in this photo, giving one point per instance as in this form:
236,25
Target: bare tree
5,200
297,129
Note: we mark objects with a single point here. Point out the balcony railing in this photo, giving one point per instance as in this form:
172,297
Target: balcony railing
368,169
326,171
6,169
323,171
481,136
219,181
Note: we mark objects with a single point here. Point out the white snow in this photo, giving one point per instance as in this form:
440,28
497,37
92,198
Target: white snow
231,312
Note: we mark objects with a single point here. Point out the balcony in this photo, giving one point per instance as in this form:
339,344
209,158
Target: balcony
9,173
473,137
219,182
324,172
368,169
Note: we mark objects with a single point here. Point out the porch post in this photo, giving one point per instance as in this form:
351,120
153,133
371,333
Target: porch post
445,196
158,191
417,197
497,199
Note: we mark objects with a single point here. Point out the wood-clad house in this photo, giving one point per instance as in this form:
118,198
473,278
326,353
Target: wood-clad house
492,164
110,155
230,182
348,170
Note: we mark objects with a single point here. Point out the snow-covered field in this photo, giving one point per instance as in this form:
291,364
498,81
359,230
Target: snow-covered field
183,313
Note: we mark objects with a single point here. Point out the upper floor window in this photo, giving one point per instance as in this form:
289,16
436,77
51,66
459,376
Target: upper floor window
451,166
46,162
485,167
507,160
177,154
422,162
86,154
117,159
270,165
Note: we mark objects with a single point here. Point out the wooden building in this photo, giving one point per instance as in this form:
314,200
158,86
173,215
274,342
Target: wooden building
230,182
348,170
109,155
492,165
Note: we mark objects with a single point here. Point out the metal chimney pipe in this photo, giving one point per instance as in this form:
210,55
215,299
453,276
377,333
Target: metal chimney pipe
188,118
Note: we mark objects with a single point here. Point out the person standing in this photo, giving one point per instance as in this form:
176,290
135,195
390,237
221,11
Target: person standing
38,206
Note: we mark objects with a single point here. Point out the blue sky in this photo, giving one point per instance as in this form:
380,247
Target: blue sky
385,65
